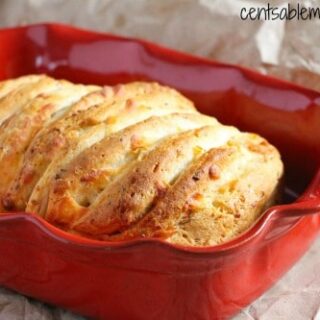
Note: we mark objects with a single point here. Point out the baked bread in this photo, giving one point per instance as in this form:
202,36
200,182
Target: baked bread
129,161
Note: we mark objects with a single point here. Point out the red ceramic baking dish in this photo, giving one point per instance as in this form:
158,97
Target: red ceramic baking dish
150,279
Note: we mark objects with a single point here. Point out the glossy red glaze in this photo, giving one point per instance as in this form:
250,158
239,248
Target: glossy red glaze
150,279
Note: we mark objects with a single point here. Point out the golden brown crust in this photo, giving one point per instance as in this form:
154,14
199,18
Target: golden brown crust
86,128
130,196
178,203
17,98
80,183
217,198
40,149
114,107
21,127
129,161
8,86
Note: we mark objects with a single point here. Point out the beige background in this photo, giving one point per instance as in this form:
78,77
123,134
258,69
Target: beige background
210,28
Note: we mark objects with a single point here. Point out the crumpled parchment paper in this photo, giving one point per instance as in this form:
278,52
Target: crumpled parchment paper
211,28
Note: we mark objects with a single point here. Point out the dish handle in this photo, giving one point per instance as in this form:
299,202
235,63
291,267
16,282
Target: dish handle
280,219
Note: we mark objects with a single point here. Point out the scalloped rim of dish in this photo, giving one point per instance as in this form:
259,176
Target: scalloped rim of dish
308,203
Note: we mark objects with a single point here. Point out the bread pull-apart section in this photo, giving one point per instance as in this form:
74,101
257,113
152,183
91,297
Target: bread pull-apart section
76,186
129,161
87,122
217,197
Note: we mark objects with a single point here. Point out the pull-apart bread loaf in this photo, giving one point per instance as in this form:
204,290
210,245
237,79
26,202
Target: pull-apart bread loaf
129,161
